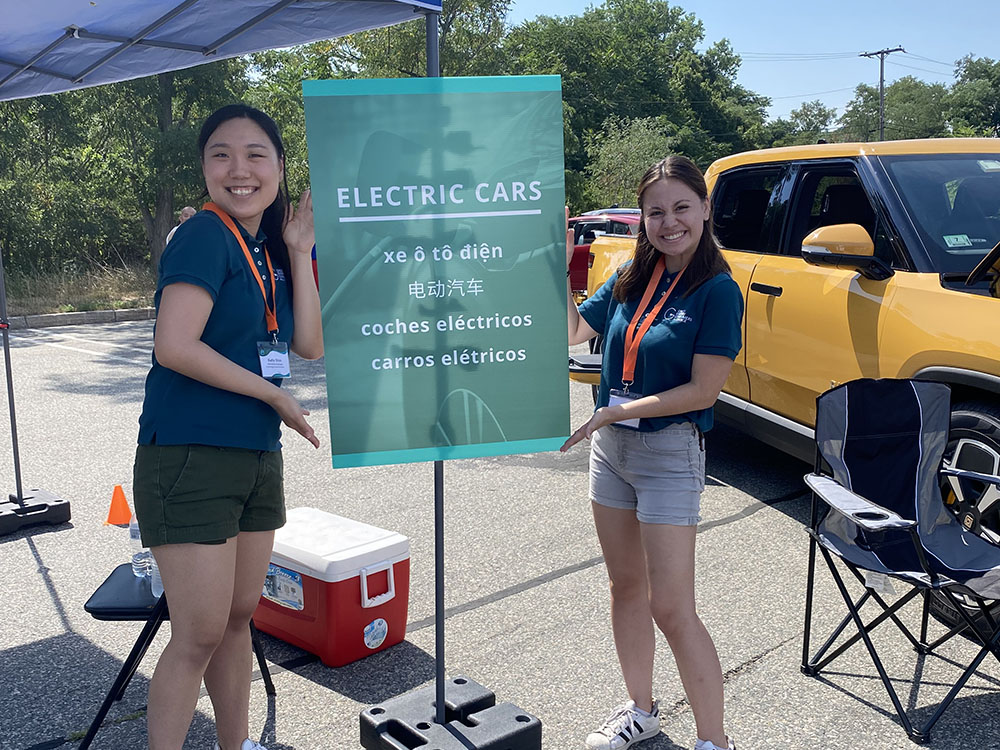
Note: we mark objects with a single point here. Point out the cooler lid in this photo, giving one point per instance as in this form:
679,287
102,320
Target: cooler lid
334,548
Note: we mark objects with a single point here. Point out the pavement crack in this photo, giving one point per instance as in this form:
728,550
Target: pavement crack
682,705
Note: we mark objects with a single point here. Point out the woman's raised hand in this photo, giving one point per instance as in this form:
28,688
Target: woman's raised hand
569,241
299,232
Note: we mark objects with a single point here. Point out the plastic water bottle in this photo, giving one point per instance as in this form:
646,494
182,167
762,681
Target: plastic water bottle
141,556
155,582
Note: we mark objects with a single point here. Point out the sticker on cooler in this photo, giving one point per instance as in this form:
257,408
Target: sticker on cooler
375,633
284,587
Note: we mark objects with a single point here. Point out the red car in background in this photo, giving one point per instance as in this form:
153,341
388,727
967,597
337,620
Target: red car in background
589,225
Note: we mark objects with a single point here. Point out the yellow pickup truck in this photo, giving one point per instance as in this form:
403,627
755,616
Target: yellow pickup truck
855,261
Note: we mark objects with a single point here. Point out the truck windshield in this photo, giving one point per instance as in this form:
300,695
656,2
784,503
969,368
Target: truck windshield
954,201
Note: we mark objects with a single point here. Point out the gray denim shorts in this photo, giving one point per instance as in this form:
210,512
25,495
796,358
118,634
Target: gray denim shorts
660,475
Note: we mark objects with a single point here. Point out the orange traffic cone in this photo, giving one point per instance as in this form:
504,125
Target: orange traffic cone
119,513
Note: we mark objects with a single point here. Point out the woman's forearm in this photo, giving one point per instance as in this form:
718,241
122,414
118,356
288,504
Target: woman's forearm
307,340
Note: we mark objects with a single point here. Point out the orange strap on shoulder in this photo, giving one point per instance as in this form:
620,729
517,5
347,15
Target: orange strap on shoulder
635,332
269,309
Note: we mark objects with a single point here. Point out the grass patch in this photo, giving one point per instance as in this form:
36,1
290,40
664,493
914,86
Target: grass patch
101,288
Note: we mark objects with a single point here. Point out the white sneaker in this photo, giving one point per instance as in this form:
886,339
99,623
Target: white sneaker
709,745
625,726
248,744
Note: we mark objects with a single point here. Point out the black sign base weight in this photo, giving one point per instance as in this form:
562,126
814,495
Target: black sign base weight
473,721
38,506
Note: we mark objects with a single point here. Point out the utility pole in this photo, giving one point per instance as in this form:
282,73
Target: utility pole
881,84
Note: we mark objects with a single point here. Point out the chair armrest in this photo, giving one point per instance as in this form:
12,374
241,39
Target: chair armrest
585,364
965,474
858,509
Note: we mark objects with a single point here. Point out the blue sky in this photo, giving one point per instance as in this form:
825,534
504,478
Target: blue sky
796,51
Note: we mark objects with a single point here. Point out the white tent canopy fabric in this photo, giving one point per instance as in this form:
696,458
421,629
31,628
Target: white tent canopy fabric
49,46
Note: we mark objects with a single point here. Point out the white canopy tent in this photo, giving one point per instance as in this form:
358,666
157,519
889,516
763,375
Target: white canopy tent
57,45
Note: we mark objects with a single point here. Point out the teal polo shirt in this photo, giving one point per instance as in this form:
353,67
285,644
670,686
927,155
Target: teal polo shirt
178,410
708,321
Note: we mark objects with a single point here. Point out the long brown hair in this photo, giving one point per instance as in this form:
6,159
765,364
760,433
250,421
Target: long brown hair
707,260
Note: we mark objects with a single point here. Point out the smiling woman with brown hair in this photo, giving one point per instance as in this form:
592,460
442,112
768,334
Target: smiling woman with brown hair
671,325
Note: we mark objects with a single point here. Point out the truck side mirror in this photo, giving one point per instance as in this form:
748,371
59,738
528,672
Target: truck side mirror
845,246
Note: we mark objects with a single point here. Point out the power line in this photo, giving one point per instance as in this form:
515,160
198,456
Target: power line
914,67
814,93
927,59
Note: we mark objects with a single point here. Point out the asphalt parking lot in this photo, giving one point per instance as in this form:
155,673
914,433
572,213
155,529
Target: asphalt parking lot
526,594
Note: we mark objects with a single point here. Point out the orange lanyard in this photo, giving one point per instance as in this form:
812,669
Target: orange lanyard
635,332
269,309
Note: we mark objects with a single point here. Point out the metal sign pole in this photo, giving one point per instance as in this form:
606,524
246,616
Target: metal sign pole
37,506
434,71
5,326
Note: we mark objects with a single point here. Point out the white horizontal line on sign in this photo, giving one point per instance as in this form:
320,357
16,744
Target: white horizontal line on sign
420,217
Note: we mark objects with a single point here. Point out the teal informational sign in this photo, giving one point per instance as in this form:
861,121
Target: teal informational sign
440,238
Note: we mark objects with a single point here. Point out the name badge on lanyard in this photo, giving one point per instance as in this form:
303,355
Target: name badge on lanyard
273,354
637,328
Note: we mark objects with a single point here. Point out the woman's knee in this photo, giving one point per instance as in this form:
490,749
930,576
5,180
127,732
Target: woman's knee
199,641
672,618
628,585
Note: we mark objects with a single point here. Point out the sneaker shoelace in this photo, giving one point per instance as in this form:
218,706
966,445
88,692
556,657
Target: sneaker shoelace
619,721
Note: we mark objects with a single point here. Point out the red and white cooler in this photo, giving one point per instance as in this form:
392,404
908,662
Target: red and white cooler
335,587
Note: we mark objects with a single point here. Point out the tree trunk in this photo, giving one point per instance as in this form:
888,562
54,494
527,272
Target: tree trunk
159,223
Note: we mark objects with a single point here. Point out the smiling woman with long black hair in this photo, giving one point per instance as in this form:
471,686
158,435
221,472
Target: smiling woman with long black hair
208,470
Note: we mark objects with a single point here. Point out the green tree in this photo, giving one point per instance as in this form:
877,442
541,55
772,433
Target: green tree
811,121
620,154
150,153
860,119
635,59
913,109
974,101
470,35
50,215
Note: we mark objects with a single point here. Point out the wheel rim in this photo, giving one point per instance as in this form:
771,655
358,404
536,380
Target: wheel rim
977,504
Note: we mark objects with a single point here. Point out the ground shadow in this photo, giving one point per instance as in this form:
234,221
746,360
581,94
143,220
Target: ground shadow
53,688
377,677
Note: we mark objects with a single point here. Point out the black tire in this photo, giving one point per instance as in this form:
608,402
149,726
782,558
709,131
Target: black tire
596,347
974,444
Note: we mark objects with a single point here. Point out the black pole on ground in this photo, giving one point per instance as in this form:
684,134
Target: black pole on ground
35,506
5,327
434,71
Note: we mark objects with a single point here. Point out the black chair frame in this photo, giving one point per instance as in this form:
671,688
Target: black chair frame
122,597
874,519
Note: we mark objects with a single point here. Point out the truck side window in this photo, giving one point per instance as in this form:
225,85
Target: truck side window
739,207
828,197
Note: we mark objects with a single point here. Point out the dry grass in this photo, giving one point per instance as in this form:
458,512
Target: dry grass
101,288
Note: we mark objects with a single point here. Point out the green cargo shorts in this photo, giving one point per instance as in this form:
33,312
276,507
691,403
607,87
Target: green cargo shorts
202,493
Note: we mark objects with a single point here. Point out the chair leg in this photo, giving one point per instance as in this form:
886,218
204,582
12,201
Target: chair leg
129,667
855,615
924,616
806,668
989,641
258,649
889,611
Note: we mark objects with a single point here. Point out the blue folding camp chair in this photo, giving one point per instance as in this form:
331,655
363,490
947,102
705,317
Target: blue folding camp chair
882,512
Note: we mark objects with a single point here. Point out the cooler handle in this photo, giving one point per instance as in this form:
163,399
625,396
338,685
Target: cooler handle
376,601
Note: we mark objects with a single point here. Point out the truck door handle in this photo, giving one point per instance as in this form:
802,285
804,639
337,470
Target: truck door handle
772,291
